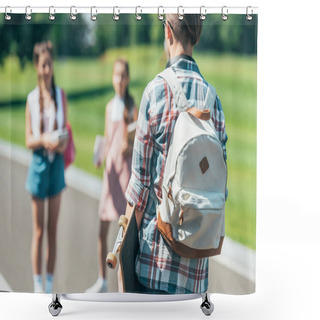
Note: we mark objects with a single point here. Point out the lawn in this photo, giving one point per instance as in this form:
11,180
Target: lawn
87,83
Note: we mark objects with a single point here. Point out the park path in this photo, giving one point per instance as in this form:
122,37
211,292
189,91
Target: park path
77,262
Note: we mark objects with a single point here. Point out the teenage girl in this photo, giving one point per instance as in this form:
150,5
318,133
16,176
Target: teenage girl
45,112
120,112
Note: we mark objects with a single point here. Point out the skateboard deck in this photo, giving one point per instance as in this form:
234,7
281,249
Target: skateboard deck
127,256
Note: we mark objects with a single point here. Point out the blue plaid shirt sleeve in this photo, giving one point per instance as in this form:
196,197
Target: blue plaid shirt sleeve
222,128
138,188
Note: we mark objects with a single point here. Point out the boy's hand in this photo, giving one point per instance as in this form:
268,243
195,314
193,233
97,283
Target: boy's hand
138,214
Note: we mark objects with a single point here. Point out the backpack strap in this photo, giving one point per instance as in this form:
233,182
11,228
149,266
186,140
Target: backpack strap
176,88
182,102
61,107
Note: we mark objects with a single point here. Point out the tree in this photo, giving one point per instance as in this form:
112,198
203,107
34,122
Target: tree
18,36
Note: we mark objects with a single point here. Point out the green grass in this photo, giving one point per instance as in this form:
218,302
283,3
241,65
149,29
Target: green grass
234,78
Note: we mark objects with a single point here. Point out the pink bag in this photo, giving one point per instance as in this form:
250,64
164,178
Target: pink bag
70,152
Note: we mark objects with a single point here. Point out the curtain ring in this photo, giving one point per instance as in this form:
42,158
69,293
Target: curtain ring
52,11
93,16
73,14
203,15
6,15
248,15
160,16
138,17
224,13
116,16
28,13
180,15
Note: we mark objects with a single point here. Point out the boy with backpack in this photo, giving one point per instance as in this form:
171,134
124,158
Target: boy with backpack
179,147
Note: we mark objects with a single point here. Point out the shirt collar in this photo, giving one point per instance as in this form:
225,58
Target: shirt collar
176,58
184,62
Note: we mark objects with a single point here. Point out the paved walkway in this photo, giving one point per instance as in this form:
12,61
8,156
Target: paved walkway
77,262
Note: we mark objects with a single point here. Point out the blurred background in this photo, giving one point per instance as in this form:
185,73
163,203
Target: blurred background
84,56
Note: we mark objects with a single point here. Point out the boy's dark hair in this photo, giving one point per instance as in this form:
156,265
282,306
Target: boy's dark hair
187,30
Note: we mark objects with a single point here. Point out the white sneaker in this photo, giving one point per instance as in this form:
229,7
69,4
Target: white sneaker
99,287
38,289
37,284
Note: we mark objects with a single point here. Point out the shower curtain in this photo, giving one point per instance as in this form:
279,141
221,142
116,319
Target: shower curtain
57,225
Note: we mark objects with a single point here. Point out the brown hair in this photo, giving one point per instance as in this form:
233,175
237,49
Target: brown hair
41,48
187,30
128,99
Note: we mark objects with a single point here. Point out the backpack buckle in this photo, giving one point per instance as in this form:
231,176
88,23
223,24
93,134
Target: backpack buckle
181,217
170,193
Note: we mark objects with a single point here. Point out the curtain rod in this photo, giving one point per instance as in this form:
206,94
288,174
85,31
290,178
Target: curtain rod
138,10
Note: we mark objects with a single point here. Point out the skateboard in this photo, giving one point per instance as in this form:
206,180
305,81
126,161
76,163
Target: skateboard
127,244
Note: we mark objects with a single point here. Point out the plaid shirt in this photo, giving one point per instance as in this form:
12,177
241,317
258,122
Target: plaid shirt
157,266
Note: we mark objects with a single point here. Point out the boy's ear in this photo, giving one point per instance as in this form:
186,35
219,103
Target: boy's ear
170,33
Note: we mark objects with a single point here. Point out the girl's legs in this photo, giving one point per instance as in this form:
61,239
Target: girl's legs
37,206
54,209
101,283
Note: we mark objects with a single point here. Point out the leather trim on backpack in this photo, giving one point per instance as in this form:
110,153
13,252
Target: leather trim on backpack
200,114
181,249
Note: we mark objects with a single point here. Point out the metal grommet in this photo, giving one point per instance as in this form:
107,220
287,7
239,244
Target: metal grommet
28,13
248,15
6,15
52,11
138,17
160,16
224,13
116,16
203,13
93,16
73,12
180,15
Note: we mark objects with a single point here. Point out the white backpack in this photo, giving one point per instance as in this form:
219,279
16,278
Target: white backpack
192,211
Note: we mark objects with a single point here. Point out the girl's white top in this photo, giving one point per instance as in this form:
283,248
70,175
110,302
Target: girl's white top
48,114
117,109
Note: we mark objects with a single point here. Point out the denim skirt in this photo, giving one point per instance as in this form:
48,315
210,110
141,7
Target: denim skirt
45,178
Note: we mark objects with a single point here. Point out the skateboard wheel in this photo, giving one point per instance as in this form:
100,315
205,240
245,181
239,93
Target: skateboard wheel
123,221
111,260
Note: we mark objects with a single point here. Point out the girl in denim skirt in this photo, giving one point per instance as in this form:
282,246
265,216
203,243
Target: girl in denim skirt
45,113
